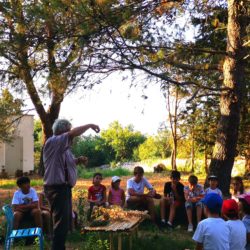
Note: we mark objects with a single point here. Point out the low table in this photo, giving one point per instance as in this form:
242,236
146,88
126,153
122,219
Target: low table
128,226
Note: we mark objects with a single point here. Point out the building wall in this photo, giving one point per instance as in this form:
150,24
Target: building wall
14,155
2,155
25,130
19,154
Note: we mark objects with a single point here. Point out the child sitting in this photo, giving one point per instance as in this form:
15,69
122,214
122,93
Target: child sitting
244,204
25,203
213,186
213,232
116,194
173,198
193,193
135,192
46,214
237,230
96,193
238,187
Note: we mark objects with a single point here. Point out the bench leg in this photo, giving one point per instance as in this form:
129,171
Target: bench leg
41,242
7,244
119,242
130,241
111,239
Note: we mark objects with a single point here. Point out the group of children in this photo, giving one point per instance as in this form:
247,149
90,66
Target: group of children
227,233
223,228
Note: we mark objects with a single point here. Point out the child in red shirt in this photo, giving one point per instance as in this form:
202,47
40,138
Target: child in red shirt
96,193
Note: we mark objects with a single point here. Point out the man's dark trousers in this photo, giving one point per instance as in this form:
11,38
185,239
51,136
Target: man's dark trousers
60,200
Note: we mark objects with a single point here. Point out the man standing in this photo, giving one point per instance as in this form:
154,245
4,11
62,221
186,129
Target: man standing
60,176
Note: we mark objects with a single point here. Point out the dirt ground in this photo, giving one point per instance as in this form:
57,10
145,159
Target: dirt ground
156,180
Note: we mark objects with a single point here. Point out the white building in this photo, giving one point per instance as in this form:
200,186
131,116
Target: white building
19,154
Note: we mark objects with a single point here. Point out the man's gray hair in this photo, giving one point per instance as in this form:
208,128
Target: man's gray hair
61,126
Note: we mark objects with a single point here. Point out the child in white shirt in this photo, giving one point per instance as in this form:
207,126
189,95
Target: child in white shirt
212,233
237,230
213,186
136,195
25,203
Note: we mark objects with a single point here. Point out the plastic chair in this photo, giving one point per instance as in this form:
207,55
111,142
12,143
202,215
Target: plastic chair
20,233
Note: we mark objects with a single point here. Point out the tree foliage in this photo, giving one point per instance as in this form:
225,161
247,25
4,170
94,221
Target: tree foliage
122,140
38,141
62,42
218,50
47,48
198,127
155,146
10,113
92,147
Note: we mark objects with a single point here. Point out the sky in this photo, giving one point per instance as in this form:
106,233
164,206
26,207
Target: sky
115,100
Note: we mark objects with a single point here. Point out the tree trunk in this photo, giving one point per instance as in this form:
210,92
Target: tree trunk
230,100
173,156
175,139
173,126
192,152
247,161
47,132
205,160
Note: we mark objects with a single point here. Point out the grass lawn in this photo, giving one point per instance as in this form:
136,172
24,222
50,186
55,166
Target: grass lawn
149,238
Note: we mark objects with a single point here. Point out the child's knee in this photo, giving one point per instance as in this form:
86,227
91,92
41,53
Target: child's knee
198,204
188,205
162,202
46,214
36,212
150,201
18,216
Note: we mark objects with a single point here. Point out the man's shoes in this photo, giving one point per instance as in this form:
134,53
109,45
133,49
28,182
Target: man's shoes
166,225
169,226
190,228
163,224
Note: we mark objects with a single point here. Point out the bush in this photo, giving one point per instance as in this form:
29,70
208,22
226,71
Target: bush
155,147
122,140
94,148
88,173
7,184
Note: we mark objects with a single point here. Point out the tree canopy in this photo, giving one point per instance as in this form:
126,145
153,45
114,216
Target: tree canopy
49,48
10,113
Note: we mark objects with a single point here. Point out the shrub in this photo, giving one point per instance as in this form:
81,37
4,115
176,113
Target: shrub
88,173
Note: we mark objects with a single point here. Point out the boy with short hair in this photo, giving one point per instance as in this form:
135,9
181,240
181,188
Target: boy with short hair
213,186
173,198
25,203
135,192
193,193
244,204
237,230
213,232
